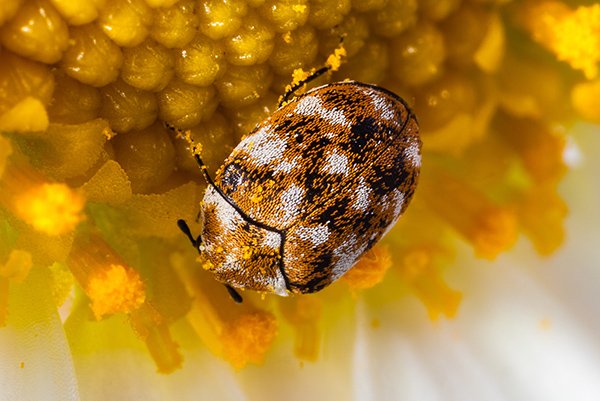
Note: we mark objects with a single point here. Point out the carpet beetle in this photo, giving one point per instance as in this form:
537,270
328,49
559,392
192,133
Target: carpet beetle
310,190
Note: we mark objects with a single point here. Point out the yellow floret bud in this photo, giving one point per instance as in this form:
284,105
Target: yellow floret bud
175,26
285,15
92,58
37,32
437,10
78,12
417,55
20,78
241,86
73,102
221,18
126,22
252,44
395,17
200,62
464,32
127,108
8,8
148,66
325,14
184,106
147,156
296,50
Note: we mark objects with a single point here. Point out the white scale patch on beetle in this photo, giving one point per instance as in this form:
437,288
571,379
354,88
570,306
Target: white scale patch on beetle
413,154
272,240
361,196
285,166
347,254
312,106
263,147
316,235
291,199
381,104
229,218
336,163
397,202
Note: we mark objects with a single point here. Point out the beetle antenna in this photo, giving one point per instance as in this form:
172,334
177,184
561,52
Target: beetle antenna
332,64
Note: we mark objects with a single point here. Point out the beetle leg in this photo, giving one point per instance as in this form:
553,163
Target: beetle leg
237,298
183,226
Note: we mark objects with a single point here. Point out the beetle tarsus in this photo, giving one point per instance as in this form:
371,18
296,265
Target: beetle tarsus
237,298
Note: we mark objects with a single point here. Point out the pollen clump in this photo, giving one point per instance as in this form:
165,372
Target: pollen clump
370,270
51,208
246,339
112,285
105,103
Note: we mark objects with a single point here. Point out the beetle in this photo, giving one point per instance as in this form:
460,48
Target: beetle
309,190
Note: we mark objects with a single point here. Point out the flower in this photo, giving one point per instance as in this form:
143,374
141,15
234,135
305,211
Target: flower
98,286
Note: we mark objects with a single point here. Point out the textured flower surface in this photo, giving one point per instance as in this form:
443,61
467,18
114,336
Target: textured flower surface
485,290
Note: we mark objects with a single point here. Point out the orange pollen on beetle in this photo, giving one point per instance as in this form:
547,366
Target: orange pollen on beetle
247,252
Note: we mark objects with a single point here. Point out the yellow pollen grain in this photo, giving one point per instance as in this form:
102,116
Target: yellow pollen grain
115,289
208,265
299,8
247,252
53,209
257,197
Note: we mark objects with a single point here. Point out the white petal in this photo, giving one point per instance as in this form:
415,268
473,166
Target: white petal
35,360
